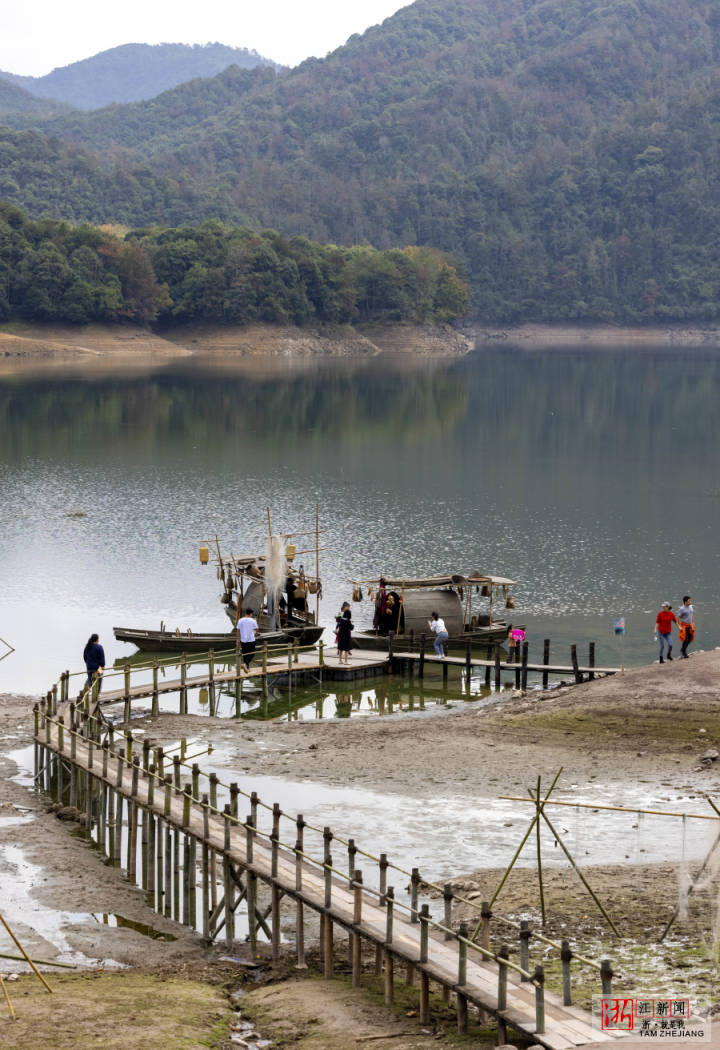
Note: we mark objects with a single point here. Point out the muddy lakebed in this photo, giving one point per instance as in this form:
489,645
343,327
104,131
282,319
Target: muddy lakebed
424,786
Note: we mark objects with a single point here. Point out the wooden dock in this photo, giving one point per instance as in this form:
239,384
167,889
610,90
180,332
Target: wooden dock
174,831
299,666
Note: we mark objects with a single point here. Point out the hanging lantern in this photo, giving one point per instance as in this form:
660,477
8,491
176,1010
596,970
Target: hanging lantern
204,555
485,591
290,551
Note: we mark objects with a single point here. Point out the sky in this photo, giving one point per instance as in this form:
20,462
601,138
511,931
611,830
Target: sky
39,35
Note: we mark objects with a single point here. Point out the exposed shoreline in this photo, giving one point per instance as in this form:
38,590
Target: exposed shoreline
97,346
30,346
593,336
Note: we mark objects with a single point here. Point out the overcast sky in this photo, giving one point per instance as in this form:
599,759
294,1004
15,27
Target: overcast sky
38,35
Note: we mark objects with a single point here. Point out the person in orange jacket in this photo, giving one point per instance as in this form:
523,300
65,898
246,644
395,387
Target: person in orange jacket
663,629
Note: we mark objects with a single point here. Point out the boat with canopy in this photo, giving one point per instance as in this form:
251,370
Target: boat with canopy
402,606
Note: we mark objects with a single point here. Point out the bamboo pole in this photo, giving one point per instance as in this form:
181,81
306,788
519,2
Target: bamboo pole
539,854
7,999
614,809
25,955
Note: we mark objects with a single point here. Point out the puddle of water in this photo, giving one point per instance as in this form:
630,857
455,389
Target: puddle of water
30,919
9,822
120,922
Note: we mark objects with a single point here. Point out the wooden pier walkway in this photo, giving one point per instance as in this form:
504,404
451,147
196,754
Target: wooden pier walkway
167,824
298,665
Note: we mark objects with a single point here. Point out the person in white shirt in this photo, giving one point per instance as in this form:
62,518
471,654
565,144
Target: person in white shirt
686,623
437,626
246,628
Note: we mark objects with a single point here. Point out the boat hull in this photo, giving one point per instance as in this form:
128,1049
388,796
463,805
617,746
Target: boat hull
169,642
494,635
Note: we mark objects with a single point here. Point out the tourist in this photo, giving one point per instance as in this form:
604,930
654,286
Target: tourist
94,657
663,629
344,637
516,636
246,628
380,605
345,607
437,626
686,623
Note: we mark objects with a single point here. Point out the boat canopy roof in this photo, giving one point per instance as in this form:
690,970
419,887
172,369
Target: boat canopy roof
451,580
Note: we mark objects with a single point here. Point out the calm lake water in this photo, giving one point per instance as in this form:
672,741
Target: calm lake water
590,478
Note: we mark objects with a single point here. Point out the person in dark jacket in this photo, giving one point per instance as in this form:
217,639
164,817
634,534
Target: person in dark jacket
344,637
94,657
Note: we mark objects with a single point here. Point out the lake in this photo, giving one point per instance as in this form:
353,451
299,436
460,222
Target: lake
589,477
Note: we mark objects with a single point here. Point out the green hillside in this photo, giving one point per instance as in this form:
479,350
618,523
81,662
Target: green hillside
51,271
563,151
133,72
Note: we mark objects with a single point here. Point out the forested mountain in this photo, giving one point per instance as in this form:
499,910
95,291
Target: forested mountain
564,151
133,72
51,271
15,99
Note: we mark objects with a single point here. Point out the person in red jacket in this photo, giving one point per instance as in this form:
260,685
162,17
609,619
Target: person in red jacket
663,629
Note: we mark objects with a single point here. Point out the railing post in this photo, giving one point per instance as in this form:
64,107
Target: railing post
503,955
566,958
523,681
196,780
321,653
275,838
357,919
213,779
606,976
251,881
389,960
352,850
424,932
591,660
447,900
414,887
539,1000
502,994
546,661
486,916
421,661
327,930
525,936
187,800
462,1012
389,914
498,680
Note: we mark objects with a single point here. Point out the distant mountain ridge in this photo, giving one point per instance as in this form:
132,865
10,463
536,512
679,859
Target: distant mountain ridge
134,72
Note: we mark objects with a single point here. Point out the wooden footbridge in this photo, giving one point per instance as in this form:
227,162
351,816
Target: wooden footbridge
198,860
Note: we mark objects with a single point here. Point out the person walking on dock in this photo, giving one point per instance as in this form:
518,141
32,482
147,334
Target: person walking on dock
94,657
344,637
686,622
246,628
437,626
663,629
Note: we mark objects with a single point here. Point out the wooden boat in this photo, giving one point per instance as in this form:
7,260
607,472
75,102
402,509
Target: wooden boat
454,597
190,642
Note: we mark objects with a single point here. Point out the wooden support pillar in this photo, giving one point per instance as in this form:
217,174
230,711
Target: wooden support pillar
167,895
462,1011
498,681
421,661
574,659
591,660
523,678
546,661
468,664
